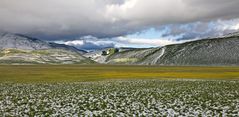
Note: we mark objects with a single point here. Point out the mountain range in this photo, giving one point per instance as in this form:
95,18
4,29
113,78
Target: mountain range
21,49
219,51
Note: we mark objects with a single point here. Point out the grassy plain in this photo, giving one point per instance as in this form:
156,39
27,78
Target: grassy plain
69,73
59,90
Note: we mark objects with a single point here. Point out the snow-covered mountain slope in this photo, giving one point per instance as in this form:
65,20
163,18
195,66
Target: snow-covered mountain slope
20,49
8,40
46,56
214,51
17,41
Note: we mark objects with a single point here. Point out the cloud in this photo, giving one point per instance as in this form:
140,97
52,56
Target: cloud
202,29
107,18
90,43
146,42
93,43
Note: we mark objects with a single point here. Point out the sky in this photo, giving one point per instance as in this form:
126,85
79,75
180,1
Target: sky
96,24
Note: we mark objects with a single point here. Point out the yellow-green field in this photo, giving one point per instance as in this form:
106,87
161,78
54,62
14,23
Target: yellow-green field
62,73
145,91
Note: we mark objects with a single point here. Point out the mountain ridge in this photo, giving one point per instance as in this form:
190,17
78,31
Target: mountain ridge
21,49
218,51
212,51
19,41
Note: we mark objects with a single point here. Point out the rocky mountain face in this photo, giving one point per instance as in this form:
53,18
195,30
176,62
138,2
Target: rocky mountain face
20,49
213,51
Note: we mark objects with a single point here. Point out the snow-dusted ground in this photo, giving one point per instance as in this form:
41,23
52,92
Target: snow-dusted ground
121,98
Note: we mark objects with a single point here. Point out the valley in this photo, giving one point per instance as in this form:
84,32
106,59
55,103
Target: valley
215,51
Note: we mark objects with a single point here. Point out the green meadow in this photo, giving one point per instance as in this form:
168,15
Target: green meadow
118,90
72,73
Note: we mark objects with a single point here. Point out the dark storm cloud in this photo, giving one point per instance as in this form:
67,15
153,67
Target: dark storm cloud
107,18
